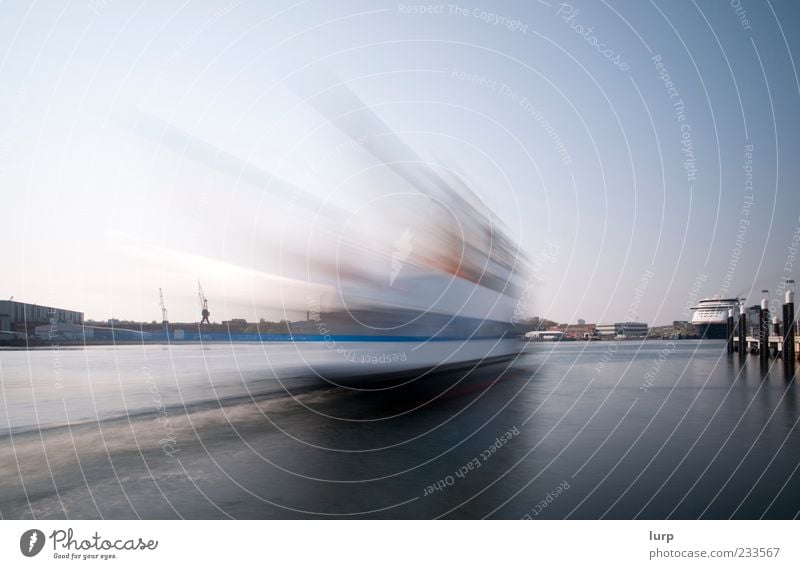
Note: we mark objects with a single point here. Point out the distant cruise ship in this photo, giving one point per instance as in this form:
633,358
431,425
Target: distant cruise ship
711,315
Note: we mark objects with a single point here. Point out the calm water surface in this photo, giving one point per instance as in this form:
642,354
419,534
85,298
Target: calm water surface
571,430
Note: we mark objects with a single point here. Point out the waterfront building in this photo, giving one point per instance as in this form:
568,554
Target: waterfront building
622,330
22,318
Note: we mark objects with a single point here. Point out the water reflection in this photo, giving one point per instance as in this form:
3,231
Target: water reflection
707,436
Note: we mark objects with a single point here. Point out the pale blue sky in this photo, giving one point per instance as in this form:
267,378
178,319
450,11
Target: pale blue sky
99,210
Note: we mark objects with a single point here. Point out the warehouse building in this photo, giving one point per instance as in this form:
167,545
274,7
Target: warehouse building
21,318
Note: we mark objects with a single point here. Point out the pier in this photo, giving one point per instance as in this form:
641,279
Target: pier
775,339
752,345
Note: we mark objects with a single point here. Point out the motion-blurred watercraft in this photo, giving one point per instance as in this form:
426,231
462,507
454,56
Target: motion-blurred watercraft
424,279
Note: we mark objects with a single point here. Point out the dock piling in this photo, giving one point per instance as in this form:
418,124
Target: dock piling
730,330
763,327
789,326
742,330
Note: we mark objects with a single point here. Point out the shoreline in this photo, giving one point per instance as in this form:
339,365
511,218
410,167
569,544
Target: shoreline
72,344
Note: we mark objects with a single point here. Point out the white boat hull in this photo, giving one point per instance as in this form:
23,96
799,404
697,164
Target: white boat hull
335,360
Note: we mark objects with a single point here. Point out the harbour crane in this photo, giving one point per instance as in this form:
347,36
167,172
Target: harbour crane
163,306
164,319
203,305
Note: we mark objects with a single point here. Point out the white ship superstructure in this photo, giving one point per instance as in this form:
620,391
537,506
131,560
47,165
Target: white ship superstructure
710,316
420,274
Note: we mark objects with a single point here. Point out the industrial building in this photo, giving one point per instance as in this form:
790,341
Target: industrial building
753,314
580,331
622,330
63,331
544,335
22,319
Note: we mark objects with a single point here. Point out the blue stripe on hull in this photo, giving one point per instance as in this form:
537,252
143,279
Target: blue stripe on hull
217,337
